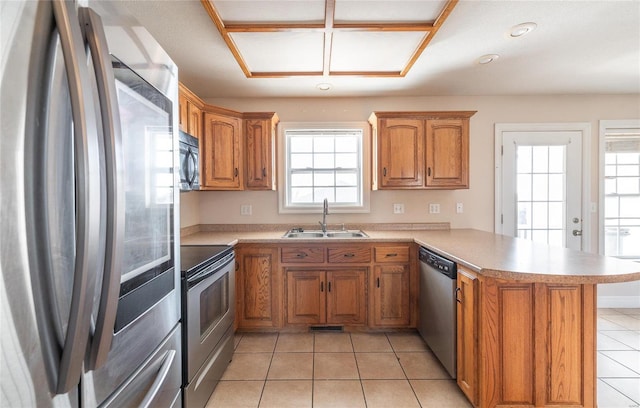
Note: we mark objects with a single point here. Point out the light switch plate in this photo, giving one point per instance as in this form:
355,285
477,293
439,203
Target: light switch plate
459,208
434,208
245,209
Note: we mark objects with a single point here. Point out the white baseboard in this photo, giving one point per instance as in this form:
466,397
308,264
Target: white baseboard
619,302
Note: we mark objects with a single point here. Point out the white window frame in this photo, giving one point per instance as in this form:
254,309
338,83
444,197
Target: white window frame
606,126
283,178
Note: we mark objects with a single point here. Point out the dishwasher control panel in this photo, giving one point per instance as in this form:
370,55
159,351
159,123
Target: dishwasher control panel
438,262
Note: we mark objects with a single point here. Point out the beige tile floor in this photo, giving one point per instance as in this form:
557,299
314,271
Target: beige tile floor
392,370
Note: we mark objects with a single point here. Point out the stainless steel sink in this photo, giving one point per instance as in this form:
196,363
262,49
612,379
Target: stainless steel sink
295,233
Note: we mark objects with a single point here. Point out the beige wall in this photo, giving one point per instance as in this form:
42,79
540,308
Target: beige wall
478,201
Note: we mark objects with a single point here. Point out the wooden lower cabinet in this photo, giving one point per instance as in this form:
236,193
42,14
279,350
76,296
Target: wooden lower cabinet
467,334
536,343
326,297
257,287
390,305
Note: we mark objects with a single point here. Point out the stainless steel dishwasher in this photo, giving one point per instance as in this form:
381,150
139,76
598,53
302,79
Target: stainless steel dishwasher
438,307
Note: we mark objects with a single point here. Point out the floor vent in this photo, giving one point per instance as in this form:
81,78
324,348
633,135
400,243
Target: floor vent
326,329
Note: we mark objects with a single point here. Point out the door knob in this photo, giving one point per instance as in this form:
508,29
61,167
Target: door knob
577,233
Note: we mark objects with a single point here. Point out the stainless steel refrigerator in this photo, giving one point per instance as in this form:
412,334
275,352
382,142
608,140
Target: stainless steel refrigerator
89,295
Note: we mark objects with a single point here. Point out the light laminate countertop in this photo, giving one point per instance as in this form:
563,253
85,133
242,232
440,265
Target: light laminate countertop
486,253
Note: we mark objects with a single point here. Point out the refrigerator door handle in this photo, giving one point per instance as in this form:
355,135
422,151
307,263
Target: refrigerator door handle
160,379
105,320
87,196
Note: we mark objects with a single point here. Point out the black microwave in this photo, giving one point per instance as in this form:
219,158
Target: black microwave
189,179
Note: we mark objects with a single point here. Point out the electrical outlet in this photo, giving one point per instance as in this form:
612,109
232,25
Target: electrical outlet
398,208
434,208
459,208
245,209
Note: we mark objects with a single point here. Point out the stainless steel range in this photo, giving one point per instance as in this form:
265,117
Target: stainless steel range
208,310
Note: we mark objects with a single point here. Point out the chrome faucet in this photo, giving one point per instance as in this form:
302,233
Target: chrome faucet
325,212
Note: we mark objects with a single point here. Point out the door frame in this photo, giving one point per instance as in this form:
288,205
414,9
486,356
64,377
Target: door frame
585,129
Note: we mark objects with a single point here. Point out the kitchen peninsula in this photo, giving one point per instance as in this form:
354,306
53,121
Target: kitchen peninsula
526,312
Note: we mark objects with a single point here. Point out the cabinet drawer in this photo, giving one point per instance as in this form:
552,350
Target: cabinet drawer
396,254
302,255
355,254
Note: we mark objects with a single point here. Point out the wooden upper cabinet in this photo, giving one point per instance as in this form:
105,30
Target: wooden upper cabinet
183,115
190,116
221,153
260,150
420,150
401,155
194,120
447,153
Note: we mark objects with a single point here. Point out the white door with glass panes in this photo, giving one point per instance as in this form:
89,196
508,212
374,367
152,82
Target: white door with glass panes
542,187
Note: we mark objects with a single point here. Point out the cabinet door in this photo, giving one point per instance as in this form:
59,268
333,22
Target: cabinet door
306,298
346,297
257,295
221,153
390,295
447,153
183,115
467,335
401,153
259,154
194,121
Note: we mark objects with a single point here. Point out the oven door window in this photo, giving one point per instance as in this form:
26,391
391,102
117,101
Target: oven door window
214,305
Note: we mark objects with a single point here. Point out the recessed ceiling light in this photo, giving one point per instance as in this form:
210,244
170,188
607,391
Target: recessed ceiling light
485,59
522,29
323,86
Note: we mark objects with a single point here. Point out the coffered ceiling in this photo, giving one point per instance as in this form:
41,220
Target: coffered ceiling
578,47
281,38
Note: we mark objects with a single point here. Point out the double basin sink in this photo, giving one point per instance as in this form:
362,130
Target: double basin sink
299,233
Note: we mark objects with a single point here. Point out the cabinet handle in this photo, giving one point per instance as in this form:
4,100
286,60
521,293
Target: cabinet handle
384,171
264,172
321,286
301,255
378,282
328,286
235,172
429,171
391,255
458,299
349,255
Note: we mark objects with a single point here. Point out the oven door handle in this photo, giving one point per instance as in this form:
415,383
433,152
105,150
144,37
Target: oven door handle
212,270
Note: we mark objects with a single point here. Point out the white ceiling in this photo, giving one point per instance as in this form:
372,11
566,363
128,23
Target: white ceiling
579,47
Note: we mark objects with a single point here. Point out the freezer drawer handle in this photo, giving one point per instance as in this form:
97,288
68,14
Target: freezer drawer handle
160,379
